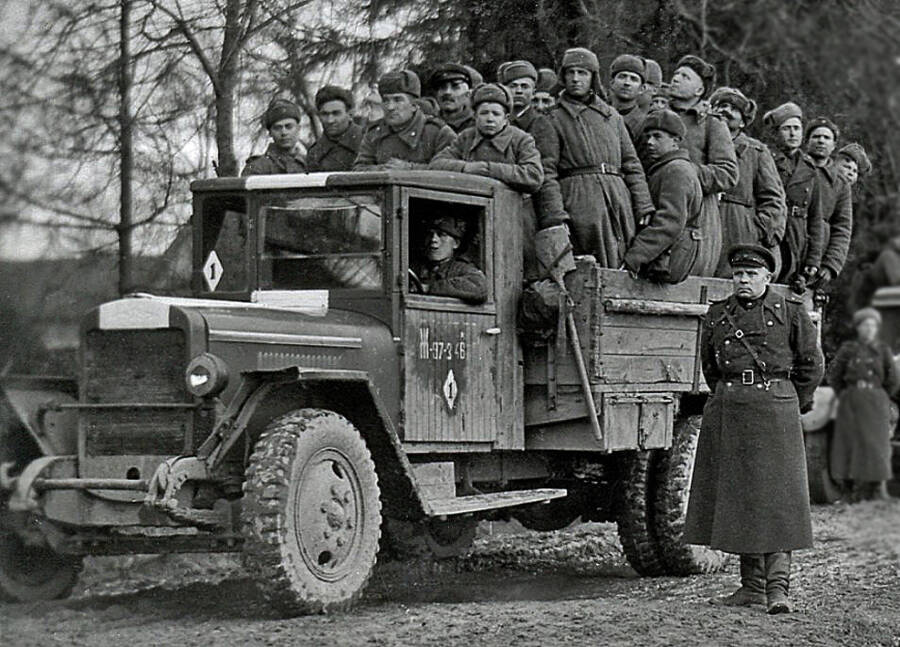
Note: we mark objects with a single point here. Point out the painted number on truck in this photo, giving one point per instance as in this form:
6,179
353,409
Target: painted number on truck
439,349
212,271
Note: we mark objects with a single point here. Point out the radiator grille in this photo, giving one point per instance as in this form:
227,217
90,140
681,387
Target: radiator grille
134,366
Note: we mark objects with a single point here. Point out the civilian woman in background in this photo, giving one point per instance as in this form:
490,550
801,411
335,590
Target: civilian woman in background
864,376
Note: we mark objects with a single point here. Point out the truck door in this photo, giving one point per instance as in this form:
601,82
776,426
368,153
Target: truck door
450,394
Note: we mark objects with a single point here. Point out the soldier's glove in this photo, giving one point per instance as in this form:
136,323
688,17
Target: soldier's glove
798,284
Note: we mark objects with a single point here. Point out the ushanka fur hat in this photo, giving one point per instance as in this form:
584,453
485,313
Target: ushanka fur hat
736,98
704,70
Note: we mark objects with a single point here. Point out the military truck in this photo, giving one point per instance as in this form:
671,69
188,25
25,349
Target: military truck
306,406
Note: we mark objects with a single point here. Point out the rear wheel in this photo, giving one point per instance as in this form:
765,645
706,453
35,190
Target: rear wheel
311,512
674,473
32,573
822,488
635,516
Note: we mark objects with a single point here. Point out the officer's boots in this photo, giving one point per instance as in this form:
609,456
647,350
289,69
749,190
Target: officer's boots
753,584
778,578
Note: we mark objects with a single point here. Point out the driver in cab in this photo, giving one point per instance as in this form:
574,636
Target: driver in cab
443,273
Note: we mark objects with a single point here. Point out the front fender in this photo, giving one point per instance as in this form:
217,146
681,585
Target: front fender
31,398
825,402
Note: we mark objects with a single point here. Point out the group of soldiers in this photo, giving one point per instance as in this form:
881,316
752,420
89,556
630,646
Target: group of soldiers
657,178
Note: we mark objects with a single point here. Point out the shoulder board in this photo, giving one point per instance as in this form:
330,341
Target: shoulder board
793,299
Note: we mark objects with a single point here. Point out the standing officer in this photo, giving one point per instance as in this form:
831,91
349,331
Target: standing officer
754,211
749,494
283,155
837,202
406,138
336,149
452,86
801,247
594,179
709,144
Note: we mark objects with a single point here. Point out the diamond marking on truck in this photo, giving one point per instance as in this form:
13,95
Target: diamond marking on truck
212,271
451,390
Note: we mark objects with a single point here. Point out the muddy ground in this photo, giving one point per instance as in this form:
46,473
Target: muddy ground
571,587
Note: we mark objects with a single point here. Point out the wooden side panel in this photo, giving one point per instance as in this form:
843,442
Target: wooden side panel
450,371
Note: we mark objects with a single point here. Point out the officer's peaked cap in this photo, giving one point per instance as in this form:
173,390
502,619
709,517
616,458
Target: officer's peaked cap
751,256
400,82
450,72
777,116
704,70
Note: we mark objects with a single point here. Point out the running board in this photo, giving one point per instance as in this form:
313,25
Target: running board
492,501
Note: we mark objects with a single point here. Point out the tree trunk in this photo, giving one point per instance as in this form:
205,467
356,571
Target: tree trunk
126,153
228,77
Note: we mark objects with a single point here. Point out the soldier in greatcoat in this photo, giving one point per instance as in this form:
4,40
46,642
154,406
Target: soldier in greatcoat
283,155
837,201
754,211
666,249
494,147
864,376
336,149
749,495
595,181
801,247
406,138
709,144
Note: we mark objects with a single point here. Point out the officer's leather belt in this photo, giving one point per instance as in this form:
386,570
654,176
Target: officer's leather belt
733,200
751,377
797,212
602,169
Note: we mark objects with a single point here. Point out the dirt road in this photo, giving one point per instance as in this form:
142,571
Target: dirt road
572,587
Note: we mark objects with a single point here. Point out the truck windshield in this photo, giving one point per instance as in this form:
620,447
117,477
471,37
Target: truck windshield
329,242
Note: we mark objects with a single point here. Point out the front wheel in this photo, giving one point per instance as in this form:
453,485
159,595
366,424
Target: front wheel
674,473
33,573
311,513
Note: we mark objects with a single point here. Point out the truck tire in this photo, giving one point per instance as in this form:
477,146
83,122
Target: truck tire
674,472
34,573
822,488
311,513
635,516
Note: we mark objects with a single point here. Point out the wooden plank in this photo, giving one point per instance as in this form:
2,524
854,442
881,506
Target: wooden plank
654,322
619,284
642,341
478,502
654,370
570,405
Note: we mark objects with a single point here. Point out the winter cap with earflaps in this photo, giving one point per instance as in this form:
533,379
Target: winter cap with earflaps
333,93
665,120
866,313
704,70
628,63
492,92
280,109
736,98
400,82
822,122
512,70
777,116
858,154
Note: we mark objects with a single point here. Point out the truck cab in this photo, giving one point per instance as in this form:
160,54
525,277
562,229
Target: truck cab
311,408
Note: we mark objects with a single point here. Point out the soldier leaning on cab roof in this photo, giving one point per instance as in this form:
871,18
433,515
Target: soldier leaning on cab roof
494,147
754,211
666,249
283,155
595,181
837,202
336,149
709,144
406,138
801,247
749,494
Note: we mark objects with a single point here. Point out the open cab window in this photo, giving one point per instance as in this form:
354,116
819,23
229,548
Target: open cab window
321,242
424,208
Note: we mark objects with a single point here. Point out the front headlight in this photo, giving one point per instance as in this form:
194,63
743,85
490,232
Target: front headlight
206,375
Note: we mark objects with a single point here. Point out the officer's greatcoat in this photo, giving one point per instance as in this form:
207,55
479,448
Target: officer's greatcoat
863,375
338,154
593,174
754,211
749,492
417,142
511,157
804,234
708,142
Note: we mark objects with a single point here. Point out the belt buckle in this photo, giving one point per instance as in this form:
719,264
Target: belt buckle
747,377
